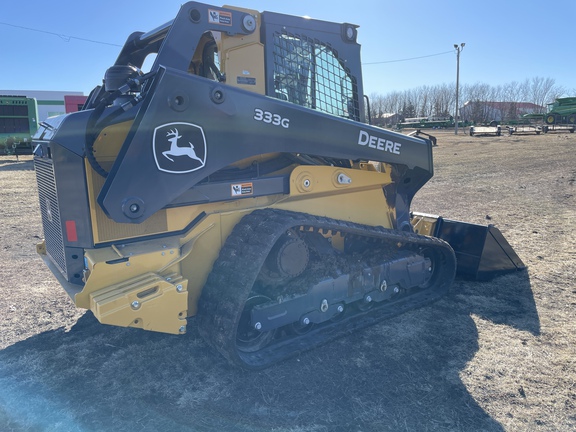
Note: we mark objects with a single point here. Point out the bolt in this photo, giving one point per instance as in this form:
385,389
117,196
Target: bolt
324,305
307,183
134,208
135,304
383,286
306,321
179,288
340,309
182,329
163,253
368,299
429,269
344,179
127,264
258,326
396,290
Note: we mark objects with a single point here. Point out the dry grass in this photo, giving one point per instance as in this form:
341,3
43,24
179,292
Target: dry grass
497,356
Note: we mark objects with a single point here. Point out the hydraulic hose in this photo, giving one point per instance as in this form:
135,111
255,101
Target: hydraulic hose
94,127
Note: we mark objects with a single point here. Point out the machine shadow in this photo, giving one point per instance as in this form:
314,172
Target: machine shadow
402,374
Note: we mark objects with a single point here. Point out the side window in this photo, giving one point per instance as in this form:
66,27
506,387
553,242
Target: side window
206,59
334,91
293,70
309,73
210,67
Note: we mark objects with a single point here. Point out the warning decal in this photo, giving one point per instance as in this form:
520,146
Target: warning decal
242,189
245,80
219,17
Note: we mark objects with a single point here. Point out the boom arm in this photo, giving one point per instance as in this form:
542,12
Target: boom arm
235,125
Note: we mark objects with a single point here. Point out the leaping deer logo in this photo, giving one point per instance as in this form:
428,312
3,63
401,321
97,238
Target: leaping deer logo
175,150
172,154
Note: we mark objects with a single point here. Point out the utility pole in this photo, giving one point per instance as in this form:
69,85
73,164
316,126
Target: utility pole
458,48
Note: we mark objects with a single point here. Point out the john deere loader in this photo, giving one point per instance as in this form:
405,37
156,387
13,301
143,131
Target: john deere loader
237,182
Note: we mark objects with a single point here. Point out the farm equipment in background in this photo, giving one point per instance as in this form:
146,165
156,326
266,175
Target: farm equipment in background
528,123
486,129
561,112
238,182
428,123
560,117
558,128
18,122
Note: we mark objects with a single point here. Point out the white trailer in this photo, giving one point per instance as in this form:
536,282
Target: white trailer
558,128
485,130
524,129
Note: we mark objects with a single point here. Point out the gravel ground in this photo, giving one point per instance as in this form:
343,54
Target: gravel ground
492,356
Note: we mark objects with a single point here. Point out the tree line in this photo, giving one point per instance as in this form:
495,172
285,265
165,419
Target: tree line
440,100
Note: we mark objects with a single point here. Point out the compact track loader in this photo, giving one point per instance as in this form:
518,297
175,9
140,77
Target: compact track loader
239,182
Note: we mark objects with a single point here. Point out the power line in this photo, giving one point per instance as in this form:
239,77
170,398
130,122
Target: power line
67,38
407,59
64,37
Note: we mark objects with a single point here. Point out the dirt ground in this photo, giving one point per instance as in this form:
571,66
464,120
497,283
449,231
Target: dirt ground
490,356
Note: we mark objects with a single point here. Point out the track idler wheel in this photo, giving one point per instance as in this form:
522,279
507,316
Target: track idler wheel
249,338
288,259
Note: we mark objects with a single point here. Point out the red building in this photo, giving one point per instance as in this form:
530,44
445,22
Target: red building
74,103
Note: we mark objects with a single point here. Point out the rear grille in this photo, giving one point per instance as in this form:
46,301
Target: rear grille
50,211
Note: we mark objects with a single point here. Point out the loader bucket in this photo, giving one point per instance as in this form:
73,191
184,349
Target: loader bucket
481,251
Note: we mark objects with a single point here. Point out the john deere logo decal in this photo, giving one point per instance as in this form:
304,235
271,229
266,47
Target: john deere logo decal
179,147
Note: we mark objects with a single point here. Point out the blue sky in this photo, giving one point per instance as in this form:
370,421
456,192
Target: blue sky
505,40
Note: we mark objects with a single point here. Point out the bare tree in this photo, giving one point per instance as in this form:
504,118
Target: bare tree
424,101
443,99
543,90
512,92
476,97
439,100
392,102
376,105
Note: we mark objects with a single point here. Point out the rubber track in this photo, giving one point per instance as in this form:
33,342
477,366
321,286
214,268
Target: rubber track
243,254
